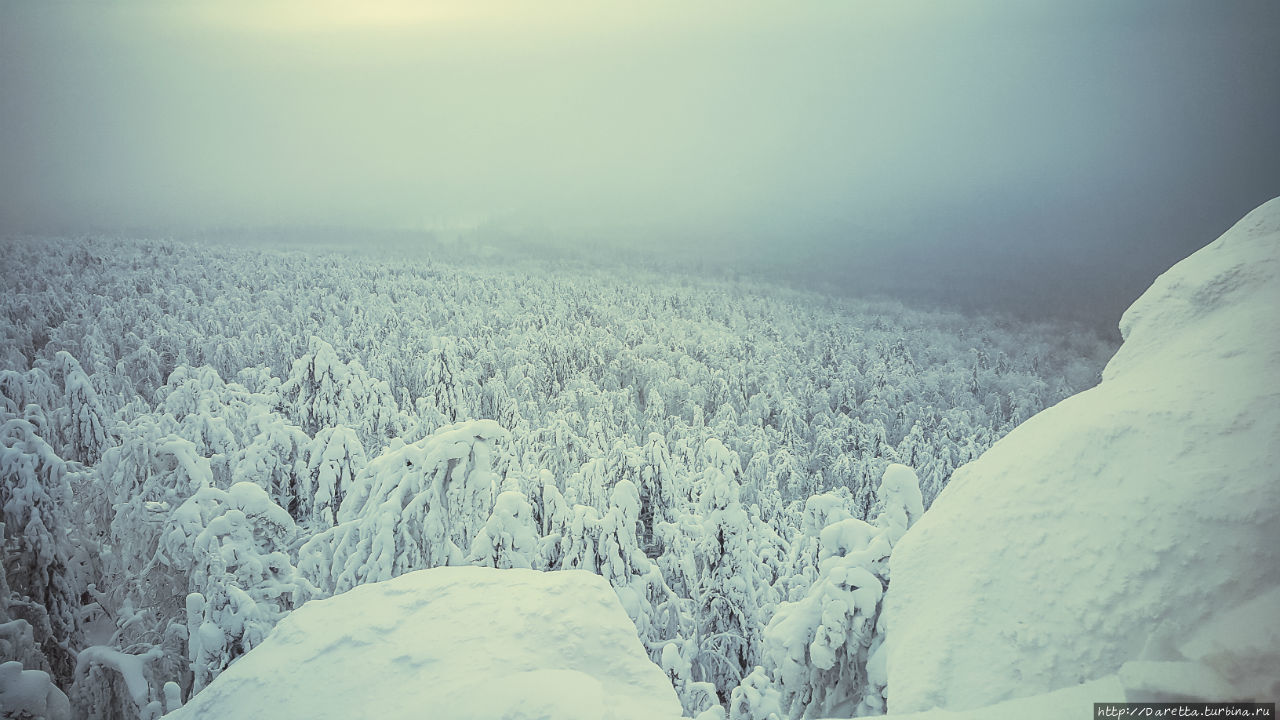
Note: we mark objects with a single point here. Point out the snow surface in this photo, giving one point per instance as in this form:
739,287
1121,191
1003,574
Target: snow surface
450,642
1235,655
30,693
1113,526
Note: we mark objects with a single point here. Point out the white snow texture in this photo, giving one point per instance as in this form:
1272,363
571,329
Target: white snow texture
1114,526
450,642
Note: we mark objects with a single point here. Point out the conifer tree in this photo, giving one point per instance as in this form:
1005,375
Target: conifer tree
35,497
330,464
414,507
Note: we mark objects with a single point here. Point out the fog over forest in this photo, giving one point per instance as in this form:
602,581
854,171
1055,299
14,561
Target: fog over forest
1040,158
722,360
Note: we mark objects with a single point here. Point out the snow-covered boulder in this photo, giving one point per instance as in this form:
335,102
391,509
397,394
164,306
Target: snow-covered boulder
1113,526
30,694
450,642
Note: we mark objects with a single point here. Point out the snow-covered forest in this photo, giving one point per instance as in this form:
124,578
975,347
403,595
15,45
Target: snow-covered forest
197,440
623,360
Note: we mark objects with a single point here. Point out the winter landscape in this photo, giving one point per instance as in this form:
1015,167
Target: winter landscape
426,361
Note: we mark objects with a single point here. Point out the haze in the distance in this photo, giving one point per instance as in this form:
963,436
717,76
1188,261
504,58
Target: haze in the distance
1047,158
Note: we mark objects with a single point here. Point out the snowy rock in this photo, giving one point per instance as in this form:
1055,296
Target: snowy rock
30,694
1071,703
1232,657
453,642
1120,521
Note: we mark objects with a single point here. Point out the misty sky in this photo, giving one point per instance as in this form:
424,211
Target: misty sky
1023,152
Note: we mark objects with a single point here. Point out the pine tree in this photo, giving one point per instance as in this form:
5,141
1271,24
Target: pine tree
445,395
312,390
731,581
509,538
233,544
414,507
821,650
35,496
331,462
275,461
81,415
657,491
322,391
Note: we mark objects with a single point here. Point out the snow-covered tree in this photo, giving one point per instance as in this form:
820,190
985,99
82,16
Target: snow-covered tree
313,390
695,696
212,414
415,506
818,650
756,698
32,396
802,559
590,485
147,477
657,491
332,460
35,497
445,394
898,501
17,637
733,584
322,391
509,538
234,545
497,403
112,684
552,518
606,543
274,460
30,694
81,416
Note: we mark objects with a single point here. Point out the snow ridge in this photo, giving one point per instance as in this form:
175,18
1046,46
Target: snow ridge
450,642
1112,526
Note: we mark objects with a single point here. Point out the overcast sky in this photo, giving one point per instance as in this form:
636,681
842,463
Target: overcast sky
1044,145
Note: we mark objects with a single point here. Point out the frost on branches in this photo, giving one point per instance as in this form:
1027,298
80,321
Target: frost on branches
241,580
509,538
153,562
35,496
322,391
415,506
81,416
822,651
330,464
733,583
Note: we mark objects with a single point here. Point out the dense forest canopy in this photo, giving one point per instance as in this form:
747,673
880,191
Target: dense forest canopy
198,439
710,300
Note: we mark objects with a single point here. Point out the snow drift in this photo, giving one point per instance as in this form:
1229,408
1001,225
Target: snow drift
450,642
1114,526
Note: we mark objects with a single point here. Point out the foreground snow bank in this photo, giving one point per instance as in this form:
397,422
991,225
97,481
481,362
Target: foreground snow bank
1113,526
451,642
1235,656
30,694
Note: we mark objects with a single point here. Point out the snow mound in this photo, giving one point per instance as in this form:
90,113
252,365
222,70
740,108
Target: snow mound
450,642
30,694
1113,526
1235,655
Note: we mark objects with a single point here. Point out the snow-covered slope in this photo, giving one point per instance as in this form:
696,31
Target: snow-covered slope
1112,526
449,643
